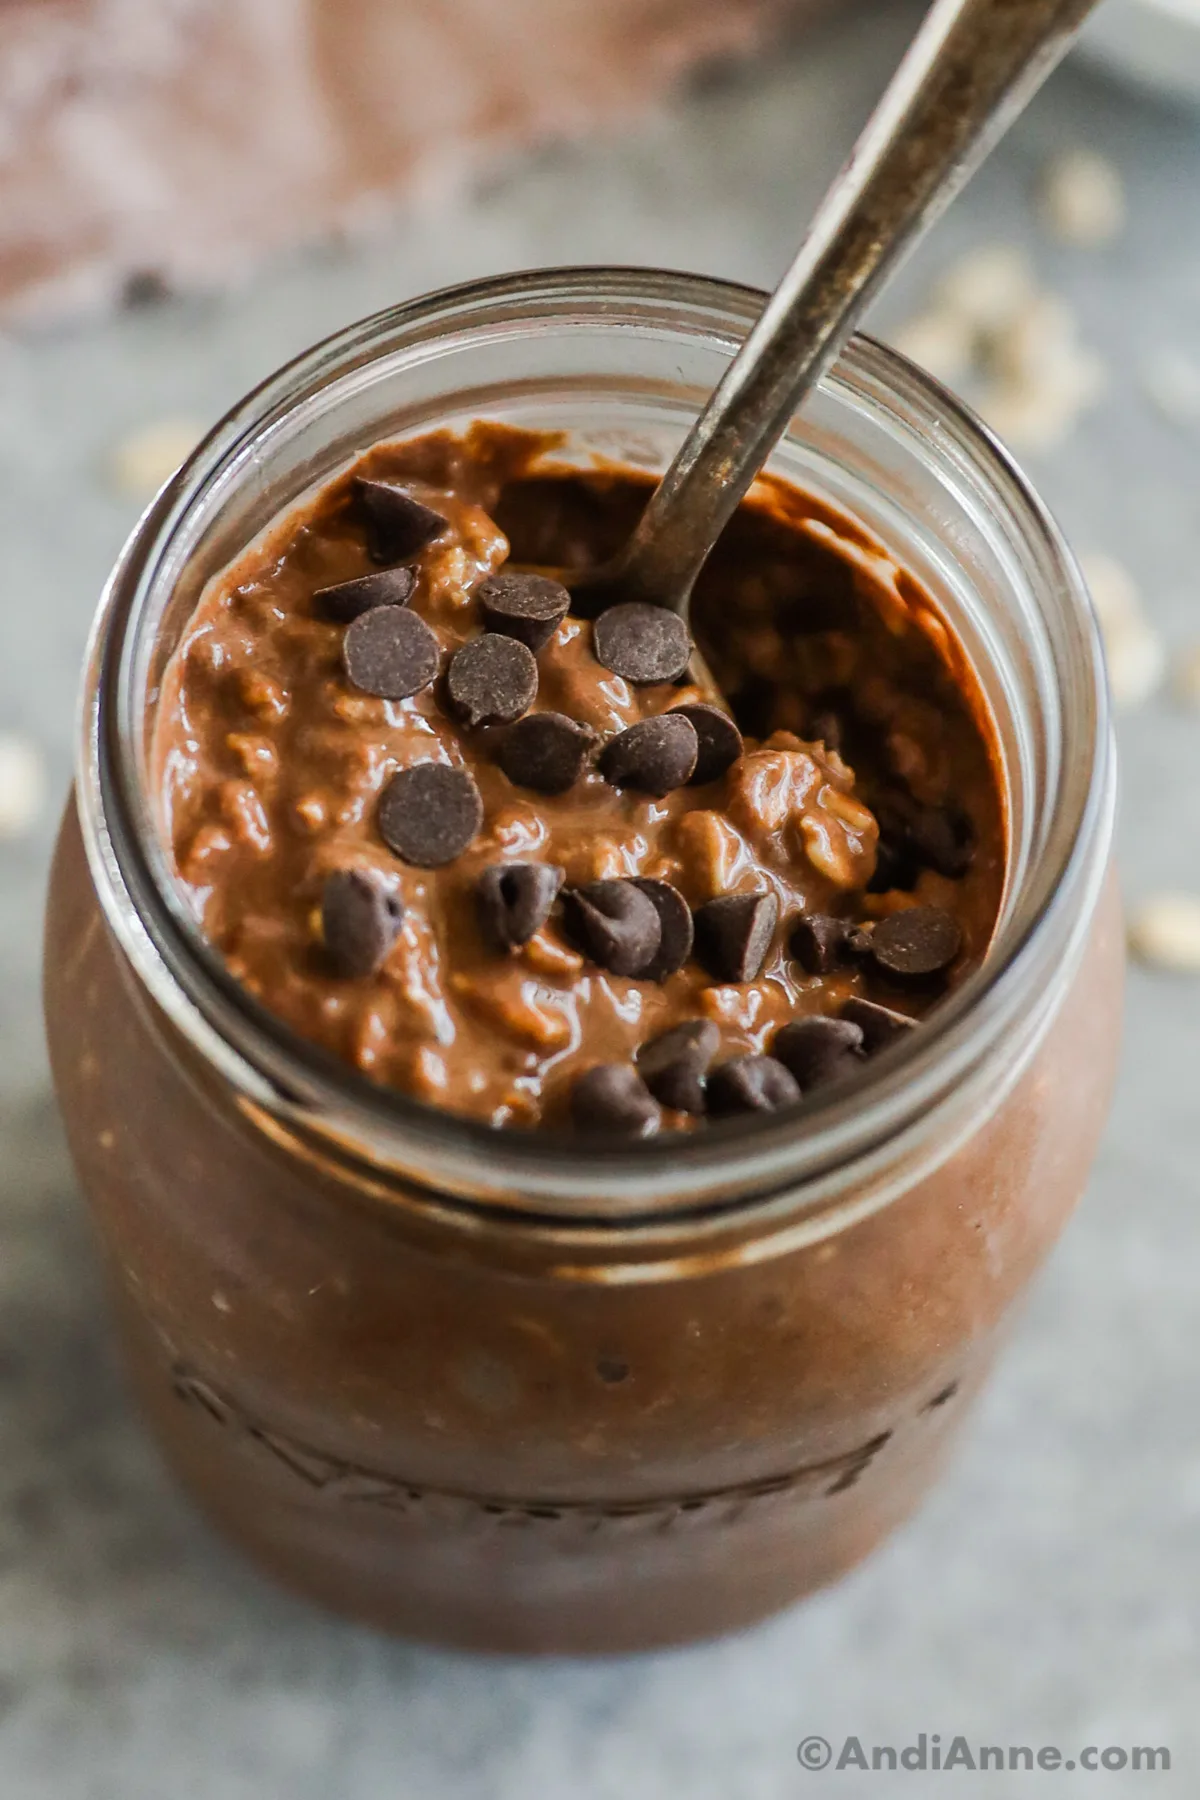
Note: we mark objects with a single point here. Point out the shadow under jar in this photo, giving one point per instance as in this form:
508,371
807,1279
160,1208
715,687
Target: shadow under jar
492,1387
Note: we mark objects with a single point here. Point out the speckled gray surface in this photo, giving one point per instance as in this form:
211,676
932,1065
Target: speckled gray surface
1050,1593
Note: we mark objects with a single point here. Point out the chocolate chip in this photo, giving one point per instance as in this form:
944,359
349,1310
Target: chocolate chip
750,1084
880,1026
818,1050
818,942
896,866
349,599
429,814
526,607
913,837
944,839
675,917
360,918
655,756
718,741
615,924
390,652
916,944
546,752
397,525
492,680
733,934
642,643
674,1064
516,898
613,1097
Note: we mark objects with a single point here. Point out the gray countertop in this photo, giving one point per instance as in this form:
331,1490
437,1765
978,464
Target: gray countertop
1049,1593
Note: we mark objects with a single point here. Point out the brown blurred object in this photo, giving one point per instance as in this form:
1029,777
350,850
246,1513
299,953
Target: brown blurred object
148,146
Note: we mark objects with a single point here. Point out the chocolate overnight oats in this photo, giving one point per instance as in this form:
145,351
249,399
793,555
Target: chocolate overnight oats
513,860
839,942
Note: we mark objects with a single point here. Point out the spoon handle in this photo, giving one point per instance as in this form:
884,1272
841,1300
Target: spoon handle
971,68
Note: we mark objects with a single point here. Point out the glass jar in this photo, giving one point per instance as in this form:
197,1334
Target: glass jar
478,1386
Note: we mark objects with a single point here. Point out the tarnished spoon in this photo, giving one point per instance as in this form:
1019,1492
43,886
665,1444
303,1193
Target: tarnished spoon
972,67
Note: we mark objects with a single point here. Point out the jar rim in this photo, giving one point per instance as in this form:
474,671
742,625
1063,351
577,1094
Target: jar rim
547,1175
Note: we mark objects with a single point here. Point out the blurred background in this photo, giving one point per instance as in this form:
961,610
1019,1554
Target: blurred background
191,191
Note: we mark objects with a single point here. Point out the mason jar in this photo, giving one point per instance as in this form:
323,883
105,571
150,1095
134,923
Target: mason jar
477,1386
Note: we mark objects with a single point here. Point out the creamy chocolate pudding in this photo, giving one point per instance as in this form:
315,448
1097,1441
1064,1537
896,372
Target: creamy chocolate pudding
513,860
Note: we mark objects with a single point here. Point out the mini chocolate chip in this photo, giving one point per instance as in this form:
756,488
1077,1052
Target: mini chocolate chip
492,680
360,918
674,1064
718,741
818,941
896,866
817,1050
930,837
749,1084
546,752
390,652
526,607
349,599
642,643
429,814
397,525
675,917
656,756
516,898
733,934
915,944
880,1026
616,924
944,839
613,1097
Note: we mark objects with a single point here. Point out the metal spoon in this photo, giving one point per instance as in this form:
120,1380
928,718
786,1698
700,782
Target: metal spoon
972,67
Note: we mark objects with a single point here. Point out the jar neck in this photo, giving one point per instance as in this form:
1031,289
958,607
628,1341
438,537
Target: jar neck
880,439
